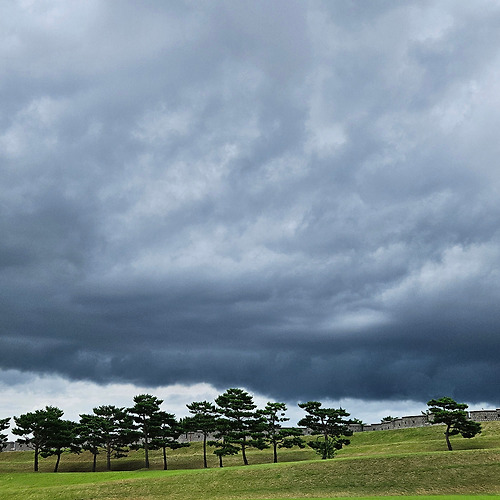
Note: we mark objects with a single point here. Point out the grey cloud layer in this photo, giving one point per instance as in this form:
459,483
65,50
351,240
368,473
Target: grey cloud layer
297,197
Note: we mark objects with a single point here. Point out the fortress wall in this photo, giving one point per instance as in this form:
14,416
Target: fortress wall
485,415
15,446
414,421
422,420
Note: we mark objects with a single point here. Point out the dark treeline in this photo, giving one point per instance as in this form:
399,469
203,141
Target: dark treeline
231,424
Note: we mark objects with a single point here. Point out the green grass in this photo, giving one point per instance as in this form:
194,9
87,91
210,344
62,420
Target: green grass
409,462
421,439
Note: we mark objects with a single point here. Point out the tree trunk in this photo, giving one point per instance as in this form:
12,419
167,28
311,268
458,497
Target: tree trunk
146,453
108,458
447,435
325,451
275,452
243,452
56,467
94,463
220,461
165,465
205,465
37,451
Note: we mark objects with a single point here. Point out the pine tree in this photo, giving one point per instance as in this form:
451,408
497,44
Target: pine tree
447,411
62,437
146,414
167,435
222,444
330,424
90,435
204,420
279,437
243,424
117,429
37,429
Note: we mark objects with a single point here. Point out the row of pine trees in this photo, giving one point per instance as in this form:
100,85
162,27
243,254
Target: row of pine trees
231,424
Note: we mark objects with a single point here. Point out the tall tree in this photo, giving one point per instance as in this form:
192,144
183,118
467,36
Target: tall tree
37,428
330,424
244,424
167,435
4,425
204,420
447,411
117,428
90,434
146,414
279,437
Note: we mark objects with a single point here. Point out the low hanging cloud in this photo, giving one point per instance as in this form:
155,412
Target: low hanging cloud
299,198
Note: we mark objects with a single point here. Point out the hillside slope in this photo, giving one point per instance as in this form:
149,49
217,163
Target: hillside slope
405,462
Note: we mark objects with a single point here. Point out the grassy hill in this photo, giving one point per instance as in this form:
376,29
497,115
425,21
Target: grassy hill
399,462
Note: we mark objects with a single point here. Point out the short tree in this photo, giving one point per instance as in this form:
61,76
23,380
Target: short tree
167,434
223,446
37,428
330,424
273,416
90,435
4,425
146,414
204,420
447,411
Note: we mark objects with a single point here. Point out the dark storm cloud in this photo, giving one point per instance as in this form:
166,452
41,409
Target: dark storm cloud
298,197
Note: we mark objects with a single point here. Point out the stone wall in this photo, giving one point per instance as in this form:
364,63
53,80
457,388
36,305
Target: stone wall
398,423
485,415
422,420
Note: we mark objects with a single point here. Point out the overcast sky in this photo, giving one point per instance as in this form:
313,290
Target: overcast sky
296,197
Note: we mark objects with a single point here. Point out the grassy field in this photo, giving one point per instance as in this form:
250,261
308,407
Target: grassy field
377,464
